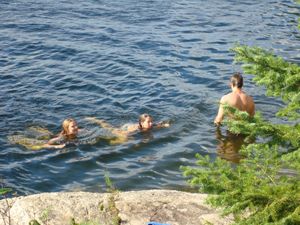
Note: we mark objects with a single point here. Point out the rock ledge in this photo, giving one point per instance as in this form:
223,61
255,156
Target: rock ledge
128,208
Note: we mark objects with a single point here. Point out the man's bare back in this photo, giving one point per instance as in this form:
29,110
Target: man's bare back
237,98
241,101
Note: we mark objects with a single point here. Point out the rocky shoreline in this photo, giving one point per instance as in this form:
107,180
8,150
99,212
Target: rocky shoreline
126,208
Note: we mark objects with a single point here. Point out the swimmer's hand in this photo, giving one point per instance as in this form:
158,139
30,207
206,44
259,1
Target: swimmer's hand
163,124
217,124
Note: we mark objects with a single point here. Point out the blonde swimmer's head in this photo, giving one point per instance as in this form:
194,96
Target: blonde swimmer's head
69,128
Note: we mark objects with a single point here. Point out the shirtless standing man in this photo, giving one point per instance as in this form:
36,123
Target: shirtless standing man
237,98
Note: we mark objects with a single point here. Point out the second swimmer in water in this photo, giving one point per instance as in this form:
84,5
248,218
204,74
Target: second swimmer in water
145,124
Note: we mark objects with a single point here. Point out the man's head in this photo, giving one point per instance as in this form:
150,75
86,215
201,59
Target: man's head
237,80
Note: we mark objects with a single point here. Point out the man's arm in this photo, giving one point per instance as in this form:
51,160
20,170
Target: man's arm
220,114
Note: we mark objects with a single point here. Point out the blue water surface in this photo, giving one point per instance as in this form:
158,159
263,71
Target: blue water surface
115,60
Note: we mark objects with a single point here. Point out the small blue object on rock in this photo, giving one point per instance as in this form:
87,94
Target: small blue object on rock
155,223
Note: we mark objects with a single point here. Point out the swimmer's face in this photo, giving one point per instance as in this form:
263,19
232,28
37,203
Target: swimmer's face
147,124
72,128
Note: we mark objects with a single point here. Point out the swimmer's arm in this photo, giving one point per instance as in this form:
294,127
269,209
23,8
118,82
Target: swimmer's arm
54,140
52,143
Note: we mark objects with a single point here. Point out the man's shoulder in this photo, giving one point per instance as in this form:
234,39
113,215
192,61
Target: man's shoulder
248,97
226,97
245,94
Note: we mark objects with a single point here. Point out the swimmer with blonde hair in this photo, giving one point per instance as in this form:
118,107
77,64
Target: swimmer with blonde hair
145,124
69,132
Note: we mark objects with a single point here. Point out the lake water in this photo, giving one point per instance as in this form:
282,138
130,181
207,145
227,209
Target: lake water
115,60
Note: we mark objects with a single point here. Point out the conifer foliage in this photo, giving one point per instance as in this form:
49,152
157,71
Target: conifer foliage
264,188
281,78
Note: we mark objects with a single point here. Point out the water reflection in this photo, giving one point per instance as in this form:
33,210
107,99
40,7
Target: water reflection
146,136
229,145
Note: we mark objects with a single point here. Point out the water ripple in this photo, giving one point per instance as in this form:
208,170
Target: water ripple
118,59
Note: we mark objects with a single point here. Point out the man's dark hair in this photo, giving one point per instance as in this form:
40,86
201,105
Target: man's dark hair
237,80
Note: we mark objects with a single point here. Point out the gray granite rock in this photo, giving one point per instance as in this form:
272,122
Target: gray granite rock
128,208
